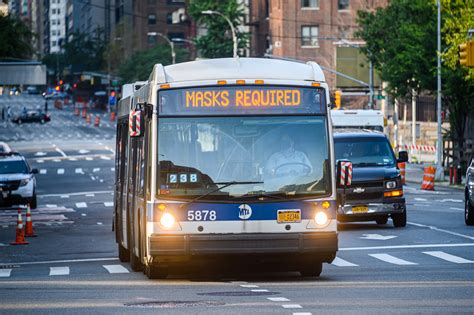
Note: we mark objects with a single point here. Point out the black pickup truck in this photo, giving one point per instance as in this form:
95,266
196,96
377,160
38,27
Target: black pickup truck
376,192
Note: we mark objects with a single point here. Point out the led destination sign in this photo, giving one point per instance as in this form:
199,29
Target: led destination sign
239,100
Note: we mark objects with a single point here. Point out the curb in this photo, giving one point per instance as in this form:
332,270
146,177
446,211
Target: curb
457,187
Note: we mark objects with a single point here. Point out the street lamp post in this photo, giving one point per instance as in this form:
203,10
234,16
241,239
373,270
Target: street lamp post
173,54
439,151
234,37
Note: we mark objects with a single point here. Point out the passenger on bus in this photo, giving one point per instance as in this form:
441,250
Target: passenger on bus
288,161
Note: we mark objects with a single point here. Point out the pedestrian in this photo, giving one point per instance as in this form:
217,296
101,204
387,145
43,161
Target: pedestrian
9,113
3,113
46,106
24,111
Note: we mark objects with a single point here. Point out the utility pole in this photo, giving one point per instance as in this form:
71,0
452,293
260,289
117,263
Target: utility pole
413,117
439,146
371,85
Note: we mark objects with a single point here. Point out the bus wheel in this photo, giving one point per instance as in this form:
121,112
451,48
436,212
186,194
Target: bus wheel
155,272
124,254
312,269
135,262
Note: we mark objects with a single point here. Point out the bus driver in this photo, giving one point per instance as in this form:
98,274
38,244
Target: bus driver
288,161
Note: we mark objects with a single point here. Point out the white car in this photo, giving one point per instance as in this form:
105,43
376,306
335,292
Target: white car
17,181
4,148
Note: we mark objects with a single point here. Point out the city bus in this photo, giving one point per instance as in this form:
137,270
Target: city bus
226,160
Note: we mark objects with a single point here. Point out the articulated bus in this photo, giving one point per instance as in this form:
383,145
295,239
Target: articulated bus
226,160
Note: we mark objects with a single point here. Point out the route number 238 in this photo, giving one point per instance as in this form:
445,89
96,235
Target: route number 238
202,215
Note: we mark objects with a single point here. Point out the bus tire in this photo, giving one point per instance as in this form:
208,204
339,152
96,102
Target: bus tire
400,219
312,269
123,253
156,272
135,262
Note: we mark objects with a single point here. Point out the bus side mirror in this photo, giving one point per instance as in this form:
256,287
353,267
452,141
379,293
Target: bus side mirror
402,157
344,173
135,123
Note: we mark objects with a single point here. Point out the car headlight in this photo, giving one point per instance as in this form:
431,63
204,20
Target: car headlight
167,220
321,218
25,181
391,184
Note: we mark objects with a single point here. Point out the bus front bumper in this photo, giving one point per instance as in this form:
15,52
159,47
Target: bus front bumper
323,245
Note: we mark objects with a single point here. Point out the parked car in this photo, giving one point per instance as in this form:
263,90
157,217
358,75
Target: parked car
4,148
32,90
376,192
469,194
31,116
17,180
55,95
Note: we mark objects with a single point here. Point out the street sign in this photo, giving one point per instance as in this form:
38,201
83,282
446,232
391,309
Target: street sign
380,97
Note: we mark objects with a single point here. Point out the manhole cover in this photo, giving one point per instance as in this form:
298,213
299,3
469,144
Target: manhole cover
238,293
174,304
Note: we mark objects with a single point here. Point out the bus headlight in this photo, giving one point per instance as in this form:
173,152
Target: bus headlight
321,218
167,220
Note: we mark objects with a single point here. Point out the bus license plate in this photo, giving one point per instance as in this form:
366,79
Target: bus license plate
360,209
286,216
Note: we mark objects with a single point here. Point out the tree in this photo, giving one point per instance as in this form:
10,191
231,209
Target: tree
139,66
15,39
218,43
401,42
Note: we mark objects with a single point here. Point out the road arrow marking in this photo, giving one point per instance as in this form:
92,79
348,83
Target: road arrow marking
377,237
451,200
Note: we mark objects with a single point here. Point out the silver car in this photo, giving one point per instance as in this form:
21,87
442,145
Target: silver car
469,194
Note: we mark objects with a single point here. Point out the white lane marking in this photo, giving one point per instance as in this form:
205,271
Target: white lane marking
451,200
89,159
78,171
5,273
83,214
56,160
60,171
82,151
259,290
421,199
39,161
108,204
58,271
95,170
278,299
292,306
90,195
64,196
51,206
342,263
392,259
40,153
103,157
434,228
449,257
43,171
238,282
80,193
99,223
249,286
377,237
81,205
58,261
61,152
116,269
457,209
72,159
303,313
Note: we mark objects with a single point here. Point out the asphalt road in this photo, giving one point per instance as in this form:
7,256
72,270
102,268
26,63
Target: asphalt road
71,267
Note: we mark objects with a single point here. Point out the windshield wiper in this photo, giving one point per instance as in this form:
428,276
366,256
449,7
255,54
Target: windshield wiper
224,185
259,194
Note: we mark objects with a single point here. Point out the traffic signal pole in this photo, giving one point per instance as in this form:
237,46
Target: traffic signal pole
439,146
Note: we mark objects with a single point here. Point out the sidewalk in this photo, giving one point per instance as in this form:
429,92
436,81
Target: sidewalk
414,174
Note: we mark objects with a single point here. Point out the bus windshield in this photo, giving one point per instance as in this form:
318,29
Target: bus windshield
254,157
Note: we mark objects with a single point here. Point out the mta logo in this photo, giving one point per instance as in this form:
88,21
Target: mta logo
245,212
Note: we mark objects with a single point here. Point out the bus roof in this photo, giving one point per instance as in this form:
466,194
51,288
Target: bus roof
238,68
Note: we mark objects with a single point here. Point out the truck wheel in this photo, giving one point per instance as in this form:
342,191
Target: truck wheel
156,272
382,220
123,253
468,212
312,269
33,201
400,219
135,262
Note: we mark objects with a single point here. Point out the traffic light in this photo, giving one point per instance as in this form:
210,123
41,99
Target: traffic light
337,99
466,54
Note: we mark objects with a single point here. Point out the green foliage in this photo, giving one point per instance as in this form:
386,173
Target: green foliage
15,39
458,18
217,43
401,42
138,67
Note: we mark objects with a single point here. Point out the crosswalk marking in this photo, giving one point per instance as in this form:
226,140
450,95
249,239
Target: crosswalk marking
108,204
278,299
81,205
342,263
449,257
95,170
43,171
60,170
392,259
116,269
5,273
58,271
78,171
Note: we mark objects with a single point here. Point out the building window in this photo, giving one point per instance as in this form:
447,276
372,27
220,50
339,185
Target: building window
169,18
151,19
53,11
309,4
53,43
59,11
343,4
309,36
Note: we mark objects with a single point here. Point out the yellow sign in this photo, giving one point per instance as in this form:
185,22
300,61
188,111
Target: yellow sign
244,98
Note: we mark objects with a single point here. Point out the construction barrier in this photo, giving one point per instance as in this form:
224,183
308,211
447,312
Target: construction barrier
29,232
97,121
76,112
20,232
112,116
84,113
88,118
402,167
428,178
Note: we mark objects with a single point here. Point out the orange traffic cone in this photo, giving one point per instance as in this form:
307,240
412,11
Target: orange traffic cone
20,233
29,232
402,168
88,119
